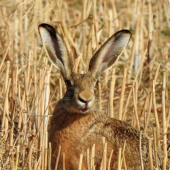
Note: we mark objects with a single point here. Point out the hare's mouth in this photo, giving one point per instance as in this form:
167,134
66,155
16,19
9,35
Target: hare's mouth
84,110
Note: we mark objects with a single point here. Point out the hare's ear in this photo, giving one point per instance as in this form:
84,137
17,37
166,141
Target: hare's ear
109,53
56,50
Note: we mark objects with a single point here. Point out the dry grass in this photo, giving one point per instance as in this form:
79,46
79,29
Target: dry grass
136,90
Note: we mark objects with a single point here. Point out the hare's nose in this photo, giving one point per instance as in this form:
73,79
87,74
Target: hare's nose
85,96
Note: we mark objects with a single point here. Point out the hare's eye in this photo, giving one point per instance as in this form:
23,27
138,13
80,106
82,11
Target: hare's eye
68,83
97,85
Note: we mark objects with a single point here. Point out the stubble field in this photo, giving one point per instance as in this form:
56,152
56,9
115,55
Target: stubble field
136,90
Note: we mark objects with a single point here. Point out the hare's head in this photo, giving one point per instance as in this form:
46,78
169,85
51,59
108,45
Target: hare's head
80,96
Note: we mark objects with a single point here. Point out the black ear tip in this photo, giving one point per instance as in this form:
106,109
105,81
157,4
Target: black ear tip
128,32
48,27
125,31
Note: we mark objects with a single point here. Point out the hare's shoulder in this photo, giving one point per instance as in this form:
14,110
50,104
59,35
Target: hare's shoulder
118,128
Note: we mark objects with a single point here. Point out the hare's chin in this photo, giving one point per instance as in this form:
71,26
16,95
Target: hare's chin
85,110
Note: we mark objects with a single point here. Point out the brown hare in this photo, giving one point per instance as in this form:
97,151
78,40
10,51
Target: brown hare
76,123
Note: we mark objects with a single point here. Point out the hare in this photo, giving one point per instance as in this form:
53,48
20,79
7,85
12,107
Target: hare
76,123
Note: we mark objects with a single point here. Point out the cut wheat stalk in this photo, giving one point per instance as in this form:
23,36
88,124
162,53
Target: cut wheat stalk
134,45
93,156
5,55
100,95
164,119
49,156
108,167
156,115
150,154
119,159
58,156
80,162
64,161
135,110
4,119
122,94
149,112
140,152
155,148
111,95
88,160
17,157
